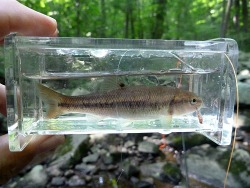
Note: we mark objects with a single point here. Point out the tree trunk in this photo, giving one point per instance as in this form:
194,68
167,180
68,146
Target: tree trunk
127,15
158,28
237,15
78,12
226,18
245,15
103,19
140,24
132,22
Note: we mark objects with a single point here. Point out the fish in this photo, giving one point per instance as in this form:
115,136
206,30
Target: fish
130,102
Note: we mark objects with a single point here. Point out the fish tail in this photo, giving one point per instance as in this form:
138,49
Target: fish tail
51,98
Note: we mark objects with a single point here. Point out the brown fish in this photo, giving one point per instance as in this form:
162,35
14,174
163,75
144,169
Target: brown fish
133,102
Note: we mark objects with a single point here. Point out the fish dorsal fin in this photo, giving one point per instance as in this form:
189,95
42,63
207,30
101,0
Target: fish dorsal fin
111,83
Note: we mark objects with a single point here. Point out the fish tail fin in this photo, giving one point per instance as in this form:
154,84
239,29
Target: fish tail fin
51,98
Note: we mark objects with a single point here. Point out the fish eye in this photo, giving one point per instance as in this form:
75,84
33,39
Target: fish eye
193,101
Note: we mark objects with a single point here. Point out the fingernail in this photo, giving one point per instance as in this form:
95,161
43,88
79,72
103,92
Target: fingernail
56,33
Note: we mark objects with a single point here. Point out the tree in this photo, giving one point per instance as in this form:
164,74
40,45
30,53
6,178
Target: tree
189,19
225,18
160,13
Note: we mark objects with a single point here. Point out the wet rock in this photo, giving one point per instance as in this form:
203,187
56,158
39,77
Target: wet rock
163,171
69,173
244,90
118,156
130,169
148,147
244,76
91,158
88,178
79,145
191,140
58,181
75,181
111,167
83,145
134,180
129,144
172,172
207,171
107,159
86,169
144,184
244,61
107,164
240,166
109,181
54,171
207,165
37,177
96,148
240,135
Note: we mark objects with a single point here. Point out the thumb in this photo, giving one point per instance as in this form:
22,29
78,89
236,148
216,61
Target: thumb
15,17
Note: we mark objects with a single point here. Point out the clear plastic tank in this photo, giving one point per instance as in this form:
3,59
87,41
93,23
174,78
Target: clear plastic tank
112,80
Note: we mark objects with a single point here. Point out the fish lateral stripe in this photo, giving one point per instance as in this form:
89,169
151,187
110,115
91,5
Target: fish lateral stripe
78,104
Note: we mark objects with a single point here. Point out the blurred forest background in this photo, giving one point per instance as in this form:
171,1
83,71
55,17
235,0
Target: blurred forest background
154,19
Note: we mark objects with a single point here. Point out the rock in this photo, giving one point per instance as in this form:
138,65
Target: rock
129,144
58,181
191,140
54,171
163,171
79,145
244,61
243,76
75,181
117,155
207,171
244,90
96,147
107,159
134,180
148,147
207,165
37,177
130,169
83,145
144,184
240,166
91,158
172,172
111,167
69,173
86,169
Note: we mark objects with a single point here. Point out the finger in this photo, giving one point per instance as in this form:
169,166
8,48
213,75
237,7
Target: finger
12,162
15,17
3,100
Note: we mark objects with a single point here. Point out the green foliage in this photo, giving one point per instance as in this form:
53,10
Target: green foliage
172,170
189,19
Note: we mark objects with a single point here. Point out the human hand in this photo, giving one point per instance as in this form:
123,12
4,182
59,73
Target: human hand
15,17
